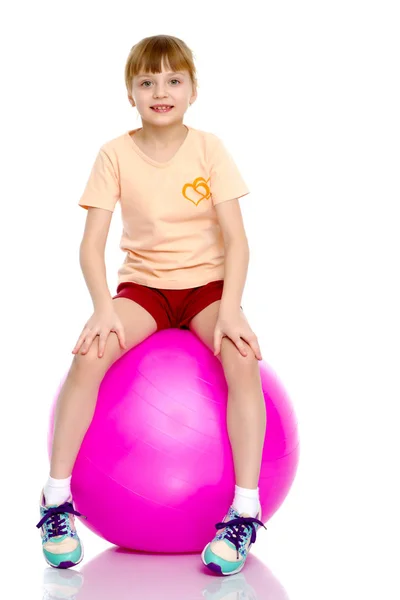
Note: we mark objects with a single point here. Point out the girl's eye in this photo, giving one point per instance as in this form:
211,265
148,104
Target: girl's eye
142,85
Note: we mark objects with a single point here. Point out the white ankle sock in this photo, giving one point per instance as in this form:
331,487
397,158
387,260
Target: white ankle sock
57,491
246,501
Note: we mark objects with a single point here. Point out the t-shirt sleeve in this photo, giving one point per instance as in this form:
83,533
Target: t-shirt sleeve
226,181
102,188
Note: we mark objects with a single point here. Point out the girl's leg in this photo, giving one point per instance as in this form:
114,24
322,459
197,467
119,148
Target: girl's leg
78,396
61,545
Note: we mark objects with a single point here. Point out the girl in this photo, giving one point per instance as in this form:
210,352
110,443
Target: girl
185,266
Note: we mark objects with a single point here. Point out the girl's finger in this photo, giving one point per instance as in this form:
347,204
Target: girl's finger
256,350
78,344
89,339
80,340
102,343
241,347
121,336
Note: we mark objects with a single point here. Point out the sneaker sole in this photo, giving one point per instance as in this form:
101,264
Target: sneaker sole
217,568
65,564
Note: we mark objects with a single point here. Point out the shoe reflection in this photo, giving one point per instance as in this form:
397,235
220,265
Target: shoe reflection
124,574
61,584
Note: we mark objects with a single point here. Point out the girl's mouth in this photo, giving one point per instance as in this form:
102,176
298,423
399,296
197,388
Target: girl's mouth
161,110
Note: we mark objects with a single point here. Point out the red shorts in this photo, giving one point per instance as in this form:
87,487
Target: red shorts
172,308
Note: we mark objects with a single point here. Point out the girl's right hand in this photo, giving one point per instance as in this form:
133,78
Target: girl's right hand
100,323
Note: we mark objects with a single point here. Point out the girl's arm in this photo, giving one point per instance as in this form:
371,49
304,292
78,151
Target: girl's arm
91,255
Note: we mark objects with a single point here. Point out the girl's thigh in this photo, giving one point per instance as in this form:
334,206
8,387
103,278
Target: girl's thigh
138,324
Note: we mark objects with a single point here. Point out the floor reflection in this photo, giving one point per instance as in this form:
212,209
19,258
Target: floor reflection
124,574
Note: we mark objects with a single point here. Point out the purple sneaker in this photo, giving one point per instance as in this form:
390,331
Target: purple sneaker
61,545
226,554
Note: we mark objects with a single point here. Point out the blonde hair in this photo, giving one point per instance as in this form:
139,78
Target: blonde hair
148,54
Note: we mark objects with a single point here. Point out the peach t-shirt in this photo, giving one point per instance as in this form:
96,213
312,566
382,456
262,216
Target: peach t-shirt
171,233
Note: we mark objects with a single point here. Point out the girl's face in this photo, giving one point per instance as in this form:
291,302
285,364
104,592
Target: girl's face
174,89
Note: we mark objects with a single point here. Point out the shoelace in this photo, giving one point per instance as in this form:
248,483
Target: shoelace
57,525
236,529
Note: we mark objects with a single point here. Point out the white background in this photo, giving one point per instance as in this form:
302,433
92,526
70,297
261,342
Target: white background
305,95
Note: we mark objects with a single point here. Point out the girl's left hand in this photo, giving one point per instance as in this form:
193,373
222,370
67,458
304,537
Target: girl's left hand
233,324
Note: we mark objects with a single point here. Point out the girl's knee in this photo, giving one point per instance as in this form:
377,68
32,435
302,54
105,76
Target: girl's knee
236,366
91,361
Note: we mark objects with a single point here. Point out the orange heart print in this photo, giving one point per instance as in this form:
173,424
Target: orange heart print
199,187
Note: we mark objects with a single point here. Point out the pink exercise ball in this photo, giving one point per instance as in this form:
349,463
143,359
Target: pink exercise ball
155,469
